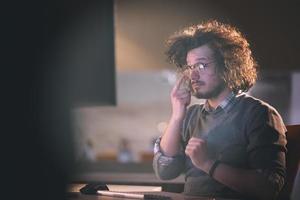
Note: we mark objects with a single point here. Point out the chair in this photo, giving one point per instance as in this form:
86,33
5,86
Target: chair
292,159
295,195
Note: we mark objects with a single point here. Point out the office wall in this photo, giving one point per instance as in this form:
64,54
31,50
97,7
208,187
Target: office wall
144,78
142,27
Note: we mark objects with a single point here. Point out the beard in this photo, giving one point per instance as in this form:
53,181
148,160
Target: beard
211,94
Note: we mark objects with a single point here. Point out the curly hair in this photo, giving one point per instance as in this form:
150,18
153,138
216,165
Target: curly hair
236,64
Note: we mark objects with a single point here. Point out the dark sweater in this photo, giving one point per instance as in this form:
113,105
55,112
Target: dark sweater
247,133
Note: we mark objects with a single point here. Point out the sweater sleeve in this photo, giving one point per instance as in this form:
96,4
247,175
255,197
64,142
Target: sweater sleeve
267,145
166,167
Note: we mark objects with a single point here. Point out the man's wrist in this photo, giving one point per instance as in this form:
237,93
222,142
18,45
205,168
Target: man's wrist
176,119
210,166
213,167
207,165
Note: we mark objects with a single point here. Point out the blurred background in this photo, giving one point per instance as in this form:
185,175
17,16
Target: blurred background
126,131
87,81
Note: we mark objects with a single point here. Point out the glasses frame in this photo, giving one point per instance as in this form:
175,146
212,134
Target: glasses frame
199,66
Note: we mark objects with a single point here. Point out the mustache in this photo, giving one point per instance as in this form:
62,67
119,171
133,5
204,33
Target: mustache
198,82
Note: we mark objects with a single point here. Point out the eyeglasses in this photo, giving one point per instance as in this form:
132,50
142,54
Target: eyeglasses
201,67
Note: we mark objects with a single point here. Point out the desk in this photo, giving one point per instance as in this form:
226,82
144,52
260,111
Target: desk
145,179
74,194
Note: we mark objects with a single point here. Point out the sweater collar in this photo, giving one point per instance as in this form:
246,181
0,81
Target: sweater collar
224,105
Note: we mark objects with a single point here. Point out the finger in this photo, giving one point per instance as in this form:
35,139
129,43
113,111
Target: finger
186,85
185,102
193,147
183,96
190,152
182,92
179,82
195,139
187,152
189,149
196,145
194,142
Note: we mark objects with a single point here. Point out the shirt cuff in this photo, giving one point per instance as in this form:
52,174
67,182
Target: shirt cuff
163,159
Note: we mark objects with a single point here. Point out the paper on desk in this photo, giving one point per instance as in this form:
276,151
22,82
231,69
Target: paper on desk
134,188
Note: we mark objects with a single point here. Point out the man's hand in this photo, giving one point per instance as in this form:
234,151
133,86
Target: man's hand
196,149
180,99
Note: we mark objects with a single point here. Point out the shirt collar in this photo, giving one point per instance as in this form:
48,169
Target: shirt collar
224,105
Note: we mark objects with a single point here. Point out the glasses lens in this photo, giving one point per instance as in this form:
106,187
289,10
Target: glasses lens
200,66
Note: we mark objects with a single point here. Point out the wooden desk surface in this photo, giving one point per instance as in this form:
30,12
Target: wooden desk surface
74,194
139,178
174,196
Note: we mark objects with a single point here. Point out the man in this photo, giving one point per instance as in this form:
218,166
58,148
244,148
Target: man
233,145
